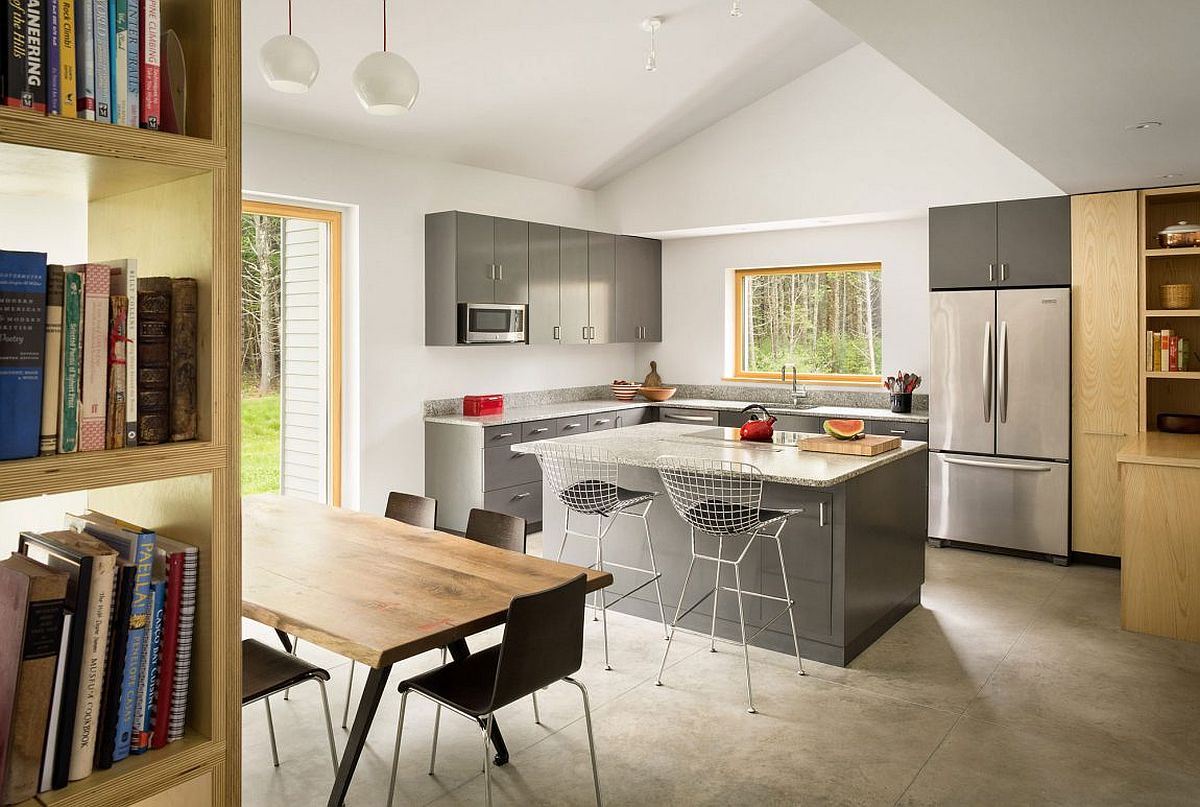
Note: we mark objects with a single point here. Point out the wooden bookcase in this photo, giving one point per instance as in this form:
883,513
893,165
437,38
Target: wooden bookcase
1166,391
171,201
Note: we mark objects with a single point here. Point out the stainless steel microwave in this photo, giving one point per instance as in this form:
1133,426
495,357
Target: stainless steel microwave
490,323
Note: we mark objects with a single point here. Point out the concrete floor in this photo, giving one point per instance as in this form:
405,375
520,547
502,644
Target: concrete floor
1012,684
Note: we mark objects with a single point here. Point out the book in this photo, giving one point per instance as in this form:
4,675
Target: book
123,277
154,359
45,778
90,565
133,64
118,55
52,360
22,351
25,76
1173,353
70,365
102,59
67,85
184,317
93,393
1164,350
85,58
150,45
109,719
32,598
171,702
1185,349
144,717
118,311
172,564
50,34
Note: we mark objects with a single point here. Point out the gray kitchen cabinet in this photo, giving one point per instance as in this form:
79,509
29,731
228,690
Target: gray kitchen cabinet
962,246
537,430
573,293
602,288
474,258
565,427
695,417
511,256
783,423
544,281
601,421
905,431
638,289
504,468
1034,242
635,417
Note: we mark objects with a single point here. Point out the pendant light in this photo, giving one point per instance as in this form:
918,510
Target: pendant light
288,63
386,84
651,25
736,9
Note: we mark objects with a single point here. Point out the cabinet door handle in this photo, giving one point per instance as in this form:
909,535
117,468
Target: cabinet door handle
1003,272
556,336
697,418
592,332
991,273
571,426
521,496
898,431
585,333
601,421
499,271
821,516
503,436
538,431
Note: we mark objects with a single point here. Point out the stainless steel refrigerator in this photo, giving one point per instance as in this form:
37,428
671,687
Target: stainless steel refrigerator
999,428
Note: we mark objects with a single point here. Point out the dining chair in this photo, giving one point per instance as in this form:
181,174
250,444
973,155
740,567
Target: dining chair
542,644
267,671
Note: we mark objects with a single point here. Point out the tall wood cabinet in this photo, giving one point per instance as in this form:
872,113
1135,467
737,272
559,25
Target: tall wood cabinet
1104,373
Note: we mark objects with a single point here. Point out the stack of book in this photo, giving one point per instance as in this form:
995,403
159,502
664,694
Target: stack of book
93,59
96,666
93,358
1167,352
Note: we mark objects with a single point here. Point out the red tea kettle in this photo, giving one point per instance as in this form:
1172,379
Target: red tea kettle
759,428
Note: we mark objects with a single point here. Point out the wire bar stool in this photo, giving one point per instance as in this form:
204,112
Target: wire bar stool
722,499
584,478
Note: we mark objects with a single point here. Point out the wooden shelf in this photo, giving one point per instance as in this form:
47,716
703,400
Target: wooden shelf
1190,375
1173,312
1172,252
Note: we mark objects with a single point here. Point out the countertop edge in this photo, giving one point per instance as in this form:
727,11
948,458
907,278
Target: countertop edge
1147,448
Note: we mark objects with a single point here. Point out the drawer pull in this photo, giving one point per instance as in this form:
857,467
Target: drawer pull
503,436
898,431
521,496
698,418
538,431
601,421
571,426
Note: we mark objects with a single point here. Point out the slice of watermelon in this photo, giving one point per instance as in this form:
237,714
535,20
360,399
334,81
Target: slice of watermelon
845,429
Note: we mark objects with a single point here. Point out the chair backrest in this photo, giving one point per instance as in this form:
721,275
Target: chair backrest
719,497
496,529
583,477
543,641
419,511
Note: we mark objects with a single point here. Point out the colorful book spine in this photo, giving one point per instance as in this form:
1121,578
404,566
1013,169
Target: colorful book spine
139,625
183,650
150,46
22,351
123,276
1185,352
68,83
52,364
118,309
170,641
133,62
25,54
102,59
1173,354
71,366
85,58
93,416
118,54
114,672
51,33
144,720
1164,351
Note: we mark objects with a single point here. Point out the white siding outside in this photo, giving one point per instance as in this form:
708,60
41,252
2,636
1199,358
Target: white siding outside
304,419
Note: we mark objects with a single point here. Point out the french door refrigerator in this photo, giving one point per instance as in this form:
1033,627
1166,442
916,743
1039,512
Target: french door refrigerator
999,427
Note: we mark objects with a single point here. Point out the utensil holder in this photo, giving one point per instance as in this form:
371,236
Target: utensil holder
901,402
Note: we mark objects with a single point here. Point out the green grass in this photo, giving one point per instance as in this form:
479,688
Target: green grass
260,444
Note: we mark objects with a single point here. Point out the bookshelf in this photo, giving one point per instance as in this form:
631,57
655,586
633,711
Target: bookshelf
171,201
1159,207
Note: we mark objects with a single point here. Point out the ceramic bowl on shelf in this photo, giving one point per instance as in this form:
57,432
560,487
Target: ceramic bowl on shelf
657,394
624,391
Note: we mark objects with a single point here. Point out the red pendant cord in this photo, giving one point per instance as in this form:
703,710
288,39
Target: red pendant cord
289,17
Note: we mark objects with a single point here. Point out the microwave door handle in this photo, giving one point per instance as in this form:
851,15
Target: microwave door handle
988,369
1003,373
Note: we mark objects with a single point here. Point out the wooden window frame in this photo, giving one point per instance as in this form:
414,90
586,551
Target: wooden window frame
332,218
739,341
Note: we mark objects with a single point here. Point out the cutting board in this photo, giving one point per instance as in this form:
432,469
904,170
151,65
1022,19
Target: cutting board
867,446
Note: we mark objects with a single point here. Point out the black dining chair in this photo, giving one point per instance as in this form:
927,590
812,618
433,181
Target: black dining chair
542,644
267,671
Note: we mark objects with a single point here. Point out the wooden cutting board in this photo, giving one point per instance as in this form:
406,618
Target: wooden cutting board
867,446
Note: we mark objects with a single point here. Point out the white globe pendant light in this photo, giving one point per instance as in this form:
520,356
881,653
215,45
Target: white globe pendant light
288,63
385,82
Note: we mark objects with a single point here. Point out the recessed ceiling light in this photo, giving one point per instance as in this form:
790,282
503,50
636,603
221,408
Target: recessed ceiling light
1146,124
1167,176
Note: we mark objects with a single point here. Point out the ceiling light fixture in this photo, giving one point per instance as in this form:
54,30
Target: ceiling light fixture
288,63
385,82
651,25
1146,124
736,9
1168,176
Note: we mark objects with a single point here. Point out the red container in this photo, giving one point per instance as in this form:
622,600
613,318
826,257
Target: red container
479,405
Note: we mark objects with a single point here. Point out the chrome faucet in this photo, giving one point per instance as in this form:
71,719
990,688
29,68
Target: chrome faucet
797,394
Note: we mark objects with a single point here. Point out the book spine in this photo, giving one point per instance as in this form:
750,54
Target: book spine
184,315
144,720
66,58
52,35
1164,351
139,621
114,436
154,360
22,351
118,54
124,283
114,673
183,652
91,676
52,361
25,76
1184,355
101,38
14,603
46,780
169,643
94,409
133,64
85,58
1173,354
70,366
13,68
151,67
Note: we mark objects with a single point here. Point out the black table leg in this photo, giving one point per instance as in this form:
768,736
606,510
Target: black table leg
458,651
367,706
284,640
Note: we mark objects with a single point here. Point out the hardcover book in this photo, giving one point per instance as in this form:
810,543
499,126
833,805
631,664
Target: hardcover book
109,718
150,46
171,704
93,411
67,85
154,359
118,310
45,781
70,366
22,351
25,76
133,68
32,598
102,59
183,358
123,276
143,727
50,37
85,58
118,50
52,360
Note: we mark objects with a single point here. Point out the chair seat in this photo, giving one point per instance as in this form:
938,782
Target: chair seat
718,517
464,685
594,497
267,670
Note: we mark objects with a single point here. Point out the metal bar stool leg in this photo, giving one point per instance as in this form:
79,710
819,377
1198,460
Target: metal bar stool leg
787,595
737,576
396,750
537,718
566,531
293,650
328,726
662,612
487,768
600,567
271,733
437,722
349,692
712,635
587,717
603,600
679,608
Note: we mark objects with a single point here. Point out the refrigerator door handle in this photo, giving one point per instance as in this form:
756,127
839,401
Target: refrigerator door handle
988,368
1001,466
1003,372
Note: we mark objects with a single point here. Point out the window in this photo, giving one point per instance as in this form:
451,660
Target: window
827,320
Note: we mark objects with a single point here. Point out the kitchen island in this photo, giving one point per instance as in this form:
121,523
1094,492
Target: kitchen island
855,556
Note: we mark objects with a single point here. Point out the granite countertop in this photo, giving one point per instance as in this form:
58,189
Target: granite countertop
524,414
641,446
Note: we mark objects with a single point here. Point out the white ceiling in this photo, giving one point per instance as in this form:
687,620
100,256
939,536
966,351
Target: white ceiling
1057,81
551,89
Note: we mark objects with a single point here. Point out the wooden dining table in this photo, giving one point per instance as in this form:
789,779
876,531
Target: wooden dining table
378,591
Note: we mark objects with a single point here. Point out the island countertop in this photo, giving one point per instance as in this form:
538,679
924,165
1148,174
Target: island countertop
642,445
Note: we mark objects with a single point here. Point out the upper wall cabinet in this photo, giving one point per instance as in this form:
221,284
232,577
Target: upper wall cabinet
1019,243
602,288
487,258
545,279
639,289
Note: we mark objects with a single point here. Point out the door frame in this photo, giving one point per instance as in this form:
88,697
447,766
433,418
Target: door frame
332,218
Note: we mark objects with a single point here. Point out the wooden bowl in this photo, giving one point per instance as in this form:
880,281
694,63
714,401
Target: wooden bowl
657,394
625,392
1178,424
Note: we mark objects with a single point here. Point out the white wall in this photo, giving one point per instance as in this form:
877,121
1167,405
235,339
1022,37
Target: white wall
389,197
696,307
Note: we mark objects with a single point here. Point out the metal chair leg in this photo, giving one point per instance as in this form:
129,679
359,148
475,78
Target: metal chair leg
271,732
599,567
437,723
295,647
537,718
603,601
737,576
329,726
587,717
487,767
662,612
566,530
396,750
787,595
679,608
349,692
712,635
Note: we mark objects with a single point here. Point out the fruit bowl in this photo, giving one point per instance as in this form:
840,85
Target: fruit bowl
657,394
625,390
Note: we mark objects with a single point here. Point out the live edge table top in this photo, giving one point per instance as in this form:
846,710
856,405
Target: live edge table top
374,589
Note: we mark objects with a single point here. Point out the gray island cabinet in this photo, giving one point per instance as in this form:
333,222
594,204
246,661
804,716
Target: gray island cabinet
855,556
